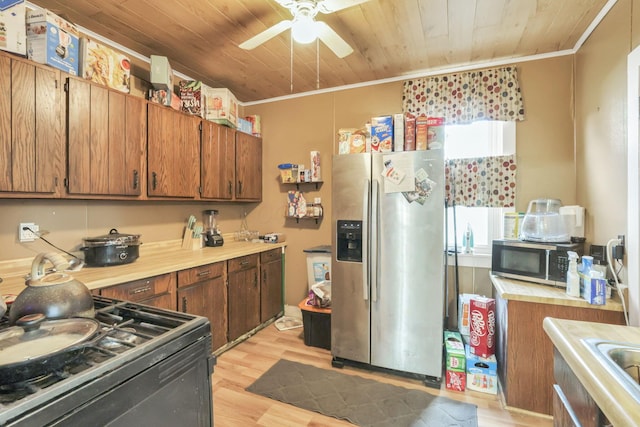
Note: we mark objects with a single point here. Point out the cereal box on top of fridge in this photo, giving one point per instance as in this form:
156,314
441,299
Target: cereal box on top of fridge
422,125
482,334
398,132
382,134
13,36
409,132
52,40
435,133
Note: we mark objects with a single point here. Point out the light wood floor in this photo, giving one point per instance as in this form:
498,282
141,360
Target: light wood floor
240,366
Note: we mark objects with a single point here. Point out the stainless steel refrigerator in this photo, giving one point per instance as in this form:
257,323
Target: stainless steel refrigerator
387,307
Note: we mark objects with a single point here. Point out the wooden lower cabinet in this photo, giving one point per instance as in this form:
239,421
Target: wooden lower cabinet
572,404
271,303
525,352
157,291
244,295
203,291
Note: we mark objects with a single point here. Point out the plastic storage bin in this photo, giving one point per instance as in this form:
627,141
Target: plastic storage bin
318,264
316,323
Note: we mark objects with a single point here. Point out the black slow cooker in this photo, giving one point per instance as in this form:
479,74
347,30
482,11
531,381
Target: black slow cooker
111,249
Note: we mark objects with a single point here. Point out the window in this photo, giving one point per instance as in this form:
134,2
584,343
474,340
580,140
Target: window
479,139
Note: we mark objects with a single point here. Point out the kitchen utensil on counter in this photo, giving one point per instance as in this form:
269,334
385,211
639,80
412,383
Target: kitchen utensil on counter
212,236
111,249
543,222
37,346
54,294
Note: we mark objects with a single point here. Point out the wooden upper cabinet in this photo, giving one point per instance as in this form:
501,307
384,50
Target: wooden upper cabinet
32,150
248,167
106,140
173,153
217,164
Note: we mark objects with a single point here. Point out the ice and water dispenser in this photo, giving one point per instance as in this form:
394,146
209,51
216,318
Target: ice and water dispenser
349,241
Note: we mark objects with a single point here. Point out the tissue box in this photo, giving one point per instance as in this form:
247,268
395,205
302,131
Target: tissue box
482,334
594,291
103,65
12,29
482,373
52,40
454,351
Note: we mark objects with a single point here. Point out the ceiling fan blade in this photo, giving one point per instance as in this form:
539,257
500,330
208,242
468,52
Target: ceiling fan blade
333,41
267,34
329,6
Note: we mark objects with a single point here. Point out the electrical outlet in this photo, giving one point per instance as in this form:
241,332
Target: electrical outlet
27,235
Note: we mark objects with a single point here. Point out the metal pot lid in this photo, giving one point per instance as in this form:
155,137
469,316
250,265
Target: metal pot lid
36,337
112,239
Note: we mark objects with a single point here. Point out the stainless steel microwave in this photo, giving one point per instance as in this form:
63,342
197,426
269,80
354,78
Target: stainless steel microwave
545,263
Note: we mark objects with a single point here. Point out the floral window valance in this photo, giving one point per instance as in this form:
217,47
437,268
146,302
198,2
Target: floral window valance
460,98
481,182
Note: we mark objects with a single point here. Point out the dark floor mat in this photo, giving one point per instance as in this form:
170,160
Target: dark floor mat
360,401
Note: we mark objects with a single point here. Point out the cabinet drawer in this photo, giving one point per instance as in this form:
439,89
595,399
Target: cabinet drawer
272,255
198,274
139,290
243,263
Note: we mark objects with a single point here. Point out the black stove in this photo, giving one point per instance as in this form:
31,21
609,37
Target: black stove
152,367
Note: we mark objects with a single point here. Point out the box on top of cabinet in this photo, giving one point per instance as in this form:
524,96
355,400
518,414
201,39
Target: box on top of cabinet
52,40
221,106
161,74
13,36
102,64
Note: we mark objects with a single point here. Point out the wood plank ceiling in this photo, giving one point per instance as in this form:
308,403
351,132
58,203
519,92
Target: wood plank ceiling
390,38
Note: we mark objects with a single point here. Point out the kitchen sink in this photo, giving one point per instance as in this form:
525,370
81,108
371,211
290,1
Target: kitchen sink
621,359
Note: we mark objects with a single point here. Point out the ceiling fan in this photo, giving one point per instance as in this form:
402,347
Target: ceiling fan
304,27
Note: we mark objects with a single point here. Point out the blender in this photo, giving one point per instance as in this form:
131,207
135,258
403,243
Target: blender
212,236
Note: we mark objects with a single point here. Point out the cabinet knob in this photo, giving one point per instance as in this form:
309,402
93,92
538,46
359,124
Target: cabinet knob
230,188
184,304
154,181
136,179
239,187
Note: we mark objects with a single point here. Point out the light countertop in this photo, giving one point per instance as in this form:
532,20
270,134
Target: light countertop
154,259
511,289
616,403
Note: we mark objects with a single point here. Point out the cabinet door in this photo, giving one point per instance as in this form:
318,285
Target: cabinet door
271,303
248,167
32,150
106,136
244,295
217,161
173,153
203,291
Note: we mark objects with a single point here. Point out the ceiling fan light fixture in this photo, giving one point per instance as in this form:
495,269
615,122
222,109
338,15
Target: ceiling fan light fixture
303,30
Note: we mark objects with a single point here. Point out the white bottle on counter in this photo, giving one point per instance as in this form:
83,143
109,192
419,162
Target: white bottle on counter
573,279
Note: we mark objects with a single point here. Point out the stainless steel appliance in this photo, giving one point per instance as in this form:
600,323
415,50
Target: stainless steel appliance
152,367
388,261
545,263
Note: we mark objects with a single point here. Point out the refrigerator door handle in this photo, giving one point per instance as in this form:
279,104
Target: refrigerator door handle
375,238
365,239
